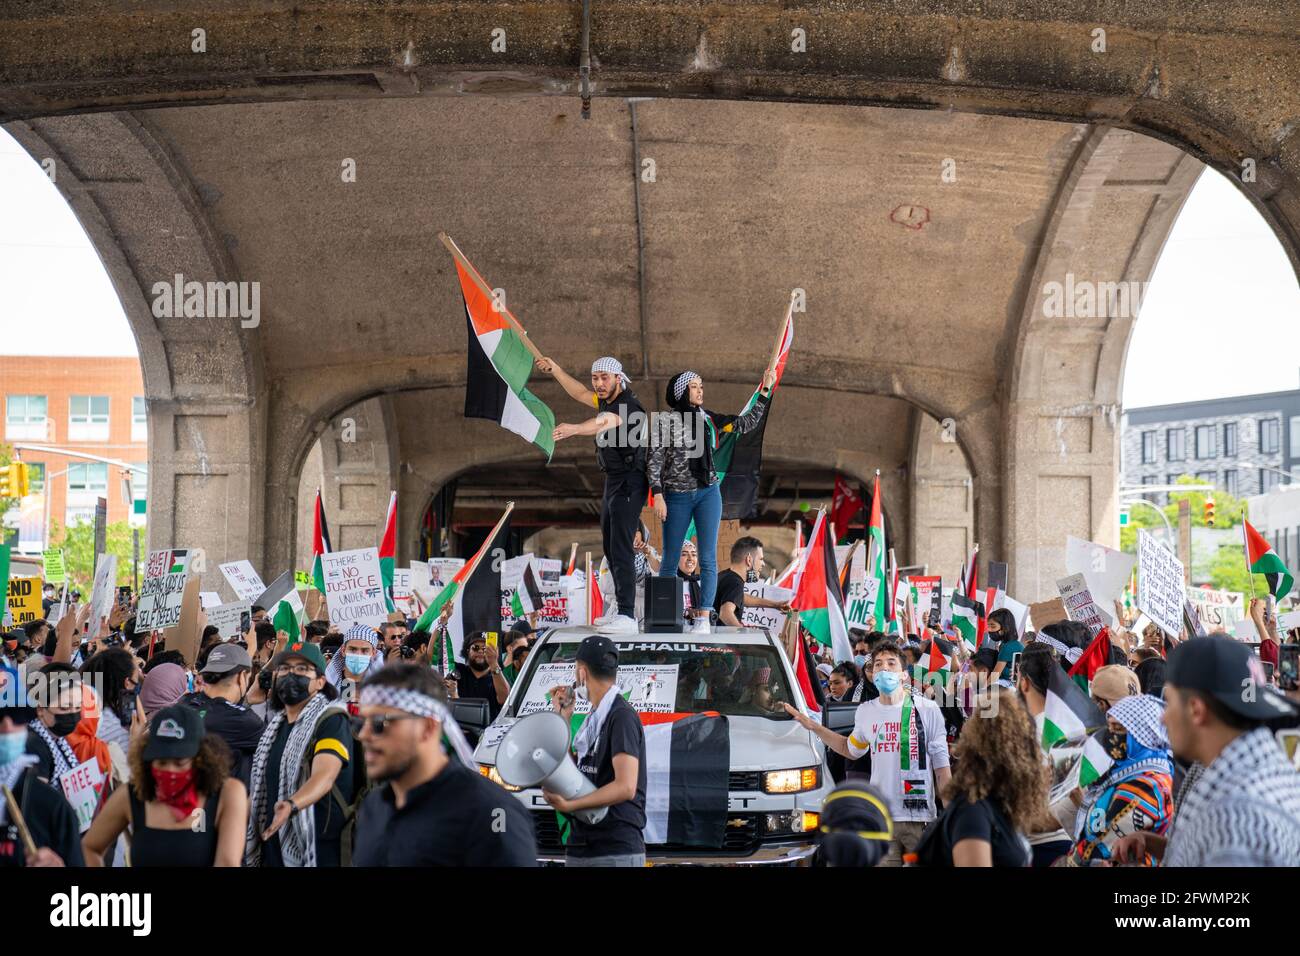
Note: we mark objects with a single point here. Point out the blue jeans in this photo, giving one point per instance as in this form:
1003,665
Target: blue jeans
704,505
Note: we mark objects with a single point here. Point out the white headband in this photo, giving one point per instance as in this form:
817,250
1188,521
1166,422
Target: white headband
421,705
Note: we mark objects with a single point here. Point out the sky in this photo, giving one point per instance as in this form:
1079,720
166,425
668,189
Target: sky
1220,317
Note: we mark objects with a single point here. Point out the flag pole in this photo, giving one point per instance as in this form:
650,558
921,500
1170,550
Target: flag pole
1245,554
590,587
780,335
483,287
573,559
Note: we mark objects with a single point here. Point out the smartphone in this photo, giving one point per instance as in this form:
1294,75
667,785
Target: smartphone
124,595
491,639
1015,667
1268,671
245,621
1288,665
1289,741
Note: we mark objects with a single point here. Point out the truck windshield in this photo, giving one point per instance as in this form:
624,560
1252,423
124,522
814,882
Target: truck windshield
734,679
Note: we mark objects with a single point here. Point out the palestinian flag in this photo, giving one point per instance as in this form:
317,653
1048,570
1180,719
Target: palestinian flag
1092,660
176,564
966,615
477,593
810,689
320,544
1070,714
595,600
738,458
499,365
876,555
1096,762
688,763
938,660
817,595
388,551
845,505
969,582
1264,560
288,614
528,595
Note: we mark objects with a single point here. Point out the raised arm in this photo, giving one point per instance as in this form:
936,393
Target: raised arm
577,391
591,427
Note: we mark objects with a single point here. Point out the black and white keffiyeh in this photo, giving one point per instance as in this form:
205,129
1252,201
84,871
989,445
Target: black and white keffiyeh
64,759
334,671
1071,654
681,383
421,705
1143,717
298,836
589,733
611,365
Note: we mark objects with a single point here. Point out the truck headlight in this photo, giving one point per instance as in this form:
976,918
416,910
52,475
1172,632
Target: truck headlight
792,781
489,771
793,821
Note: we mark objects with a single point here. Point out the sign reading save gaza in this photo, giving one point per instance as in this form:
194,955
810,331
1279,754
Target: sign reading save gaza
162,590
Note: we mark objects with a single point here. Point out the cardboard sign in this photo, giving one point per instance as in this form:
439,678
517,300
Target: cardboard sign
1047,612
354,588
104,591
929,598
512,572
226,618
243,580
185,636
82,786
1079,605
52,566
1106,570
209,599
1161,590
24,599
165,575
1192,620
768,617
1218,610
861,599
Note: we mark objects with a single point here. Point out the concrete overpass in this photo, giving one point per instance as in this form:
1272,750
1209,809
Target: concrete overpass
924,171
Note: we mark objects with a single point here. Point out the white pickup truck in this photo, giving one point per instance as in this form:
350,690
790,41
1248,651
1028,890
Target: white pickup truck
778,775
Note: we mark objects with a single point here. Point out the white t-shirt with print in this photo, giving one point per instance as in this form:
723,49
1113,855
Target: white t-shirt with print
876,729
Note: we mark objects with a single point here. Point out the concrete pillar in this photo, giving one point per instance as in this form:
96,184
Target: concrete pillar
943,499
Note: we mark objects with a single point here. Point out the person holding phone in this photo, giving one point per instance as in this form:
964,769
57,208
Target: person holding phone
480,675
1267,631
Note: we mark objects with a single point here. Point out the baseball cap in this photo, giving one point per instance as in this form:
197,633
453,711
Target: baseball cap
522,626
14,700
598,651
1229,672
175,733
311,653
824,669
224,658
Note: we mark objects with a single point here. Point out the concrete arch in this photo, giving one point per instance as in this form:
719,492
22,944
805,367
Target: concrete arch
202,376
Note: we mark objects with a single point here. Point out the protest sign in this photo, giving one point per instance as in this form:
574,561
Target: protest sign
1106,570
548,573
165,574
1161,590
1079,605
442,570
52,567
929,597
354,588
1218,610
101,595
82,786
243,580
997,579
512,572
209,599
24,599
230,619
860,601
1047,612
767,617
185,636
1019,611
649,688
402,589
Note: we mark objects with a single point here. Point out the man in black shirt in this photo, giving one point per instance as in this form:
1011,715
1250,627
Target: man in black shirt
431,808
227,676
746,565
622,432
482,677
49,818
610,747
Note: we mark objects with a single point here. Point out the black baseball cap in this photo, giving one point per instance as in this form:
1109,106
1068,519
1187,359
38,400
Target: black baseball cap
1229,672
598,651
224,658
174,733
522,626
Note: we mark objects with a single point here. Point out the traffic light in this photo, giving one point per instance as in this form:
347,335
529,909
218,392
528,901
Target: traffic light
14,480
1209,512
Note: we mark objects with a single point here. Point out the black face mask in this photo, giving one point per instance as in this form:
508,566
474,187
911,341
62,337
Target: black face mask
65,724
292,689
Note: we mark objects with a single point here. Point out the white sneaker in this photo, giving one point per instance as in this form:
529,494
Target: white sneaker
701,626
604,619
621,624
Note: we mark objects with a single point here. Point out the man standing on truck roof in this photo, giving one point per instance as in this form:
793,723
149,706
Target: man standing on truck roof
610,747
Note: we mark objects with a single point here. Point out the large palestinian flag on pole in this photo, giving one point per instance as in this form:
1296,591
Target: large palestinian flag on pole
500,363
737,459
320,544
817,595
688,763
1262,559
966,616
528,595
388,551
477,593
876,556
1069,714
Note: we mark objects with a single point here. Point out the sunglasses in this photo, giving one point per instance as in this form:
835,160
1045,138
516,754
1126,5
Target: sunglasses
378,723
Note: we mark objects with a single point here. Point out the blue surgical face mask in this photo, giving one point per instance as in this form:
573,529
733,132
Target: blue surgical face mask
860,660
356,663
12,746
887,681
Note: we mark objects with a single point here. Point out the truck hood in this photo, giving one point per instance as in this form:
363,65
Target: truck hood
756,743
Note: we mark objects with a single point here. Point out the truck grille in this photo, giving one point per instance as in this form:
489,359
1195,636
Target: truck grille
745,780
741,835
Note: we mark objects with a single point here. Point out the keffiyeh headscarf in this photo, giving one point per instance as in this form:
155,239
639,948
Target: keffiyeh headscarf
421,705
611,365
64,759
335,671
680,384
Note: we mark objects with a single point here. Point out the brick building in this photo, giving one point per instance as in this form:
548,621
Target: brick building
90,405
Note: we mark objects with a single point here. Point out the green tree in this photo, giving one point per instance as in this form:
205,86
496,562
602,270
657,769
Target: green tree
1228,572
78,544
1229,510
6,456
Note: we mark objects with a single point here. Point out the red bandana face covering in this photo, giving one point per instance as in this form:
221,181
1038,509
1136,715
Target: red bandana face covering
176,791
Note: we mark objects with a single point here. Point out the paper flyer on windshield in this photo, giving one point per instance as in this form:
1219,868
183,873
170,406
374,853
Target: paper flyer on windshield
649,688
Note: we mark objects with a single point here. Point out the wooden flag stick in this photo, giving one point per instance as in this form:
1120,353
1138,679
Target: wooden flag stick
487,542
590,589
780,334
483,287
573,559
16,815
